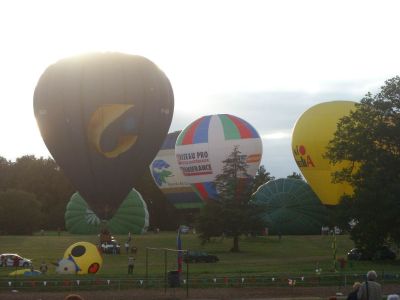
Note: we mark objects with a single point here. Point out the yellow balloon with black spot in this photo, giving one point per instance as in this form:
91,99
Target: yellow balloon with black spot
86,256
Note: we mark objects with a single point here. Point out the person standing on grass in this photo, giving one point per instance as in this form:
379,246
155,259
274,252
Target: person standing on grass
370,289
353,293
43,267
127,246
130,264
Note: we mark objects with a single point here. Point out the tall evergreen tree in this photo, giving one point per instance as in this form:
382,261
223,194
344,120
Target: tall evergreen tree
262,176
232,214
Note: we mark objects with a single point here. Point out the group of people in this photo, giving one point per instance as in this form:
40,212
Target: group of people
370,289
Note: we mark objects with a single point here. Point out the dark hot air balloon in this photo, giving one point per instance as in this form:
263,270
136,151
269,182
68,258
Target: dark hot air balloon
103,117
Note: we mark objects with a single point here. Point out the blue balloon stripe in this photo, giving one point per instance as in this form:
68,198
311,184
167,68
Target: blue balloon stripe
183,198
211,190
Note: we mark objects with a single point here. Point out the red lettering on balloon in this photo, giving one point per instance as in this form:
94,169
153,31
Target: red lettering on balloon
302,150
309,161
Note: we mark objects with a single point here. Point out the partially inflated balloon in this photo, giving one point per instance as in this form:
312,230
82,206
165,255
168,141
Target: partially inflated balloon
85,257
132,216
103,118
202,147
169,178
79,218
311,135
290,207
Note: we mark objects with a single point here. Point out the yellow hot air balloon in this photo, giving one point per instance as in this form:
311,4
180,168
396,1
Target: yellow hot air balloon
311,135
83,258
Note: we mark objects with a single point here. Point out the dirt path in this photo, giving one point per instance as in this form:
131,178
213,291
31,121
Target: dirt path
198,294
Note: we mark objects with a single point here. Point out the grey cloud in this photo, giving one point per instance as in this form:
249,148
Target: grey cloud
272,111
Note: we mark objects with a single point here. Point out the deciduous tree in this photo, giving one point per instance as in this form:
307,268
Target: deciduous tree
20,212
295,175
370,139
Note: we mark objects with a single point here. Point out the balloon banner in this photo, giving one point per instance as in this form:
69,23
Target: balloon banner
239,281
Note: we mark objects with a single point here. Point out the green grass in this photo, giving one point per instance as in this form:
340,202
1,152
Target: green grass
259,255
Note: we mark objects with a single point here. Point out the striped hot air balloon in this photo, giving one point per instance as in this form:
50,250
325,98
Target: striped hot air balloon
169,179
202,147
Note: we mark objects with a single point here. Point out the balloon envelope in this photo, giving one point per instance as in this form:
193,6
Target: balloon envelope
311,135
202,147
132,216
291,207
103,117
169,178
85,256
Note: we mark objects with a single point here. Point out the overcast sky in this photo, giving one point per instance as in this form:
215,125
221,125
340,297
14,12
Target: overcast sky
264,61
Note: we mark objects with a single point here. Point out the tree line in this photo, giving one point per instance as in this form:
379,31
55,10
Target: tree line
34,193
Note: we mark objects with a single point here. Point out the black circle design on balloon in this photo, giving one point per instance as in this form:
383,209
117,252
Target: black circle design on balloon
78,251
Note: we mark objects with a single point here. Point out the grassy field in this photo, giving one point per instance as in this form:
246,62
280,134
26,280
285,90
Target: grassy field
259,255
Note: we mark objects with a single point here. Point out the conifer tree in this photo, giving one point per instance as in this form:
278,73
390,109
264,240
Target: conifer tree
232,214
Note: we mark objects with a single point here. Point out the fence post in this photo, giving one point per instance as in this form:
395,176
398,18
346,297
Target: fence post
187,274
147,266
165,271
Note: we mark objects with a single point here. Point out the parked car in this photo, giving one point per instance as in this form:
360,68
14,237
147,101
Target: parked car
385,253
111,247
14,260
199,257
